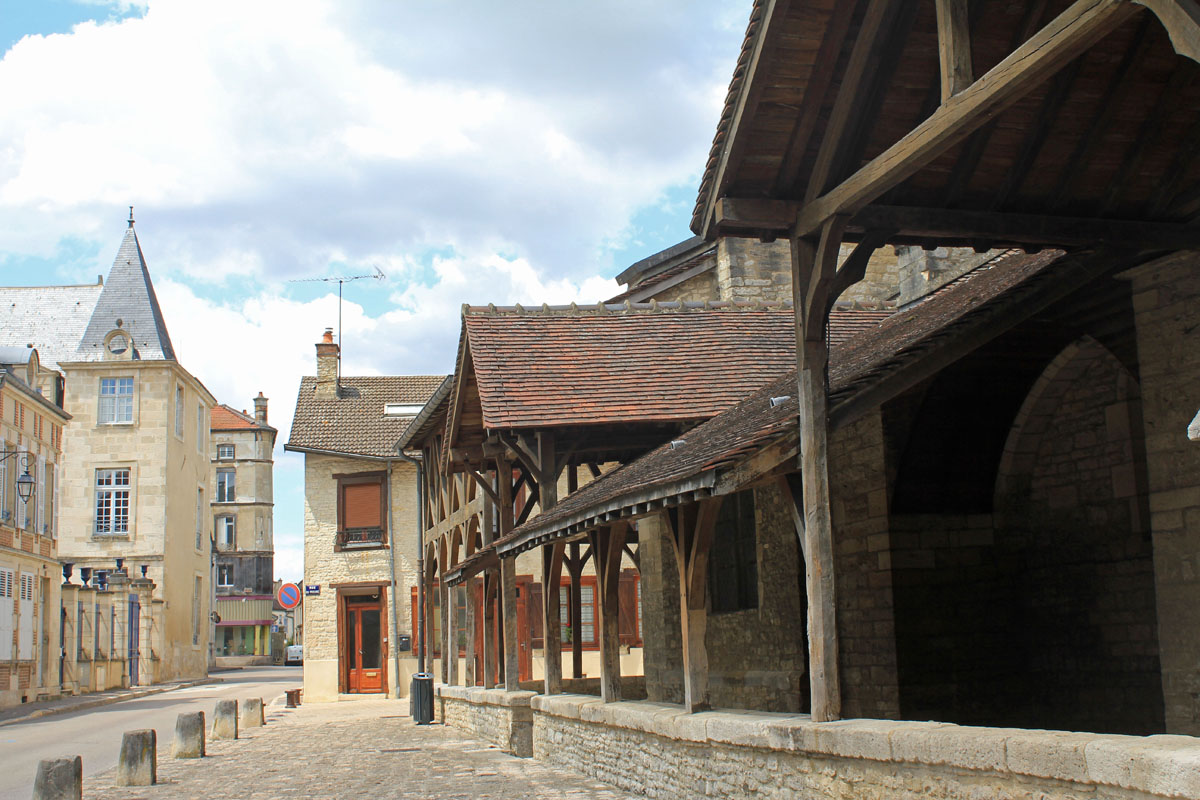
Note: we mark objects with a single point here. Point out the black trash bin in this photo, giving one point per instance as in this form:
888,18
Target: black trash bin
421,698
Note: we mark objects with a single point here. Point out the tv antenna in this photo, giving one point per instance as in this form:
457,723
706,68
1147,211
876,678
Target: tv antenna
341,279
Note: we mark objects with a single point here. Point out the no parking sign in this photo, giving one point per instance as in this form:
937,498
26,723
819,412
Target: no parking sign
288,596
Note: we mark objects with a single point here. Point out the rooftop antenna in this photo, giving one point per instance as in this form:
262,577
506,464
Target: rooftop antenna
341,279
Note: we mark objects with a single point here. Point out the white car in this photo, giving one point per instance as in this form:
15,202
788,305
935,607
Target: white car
293,655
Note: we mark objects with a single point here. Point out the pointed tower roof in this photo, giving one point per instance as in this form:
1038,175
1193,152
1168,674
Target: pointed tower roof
128,302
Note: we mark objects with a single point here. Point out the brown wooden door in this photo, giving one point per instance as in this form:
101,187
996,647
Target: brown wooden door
364,648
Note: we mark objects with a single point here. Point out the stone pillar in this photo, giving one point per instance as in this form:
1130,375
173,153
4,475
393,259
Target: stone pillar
225,720
59,779
70,623
189,735
137,764
144,587
118,582
662,653
1166,303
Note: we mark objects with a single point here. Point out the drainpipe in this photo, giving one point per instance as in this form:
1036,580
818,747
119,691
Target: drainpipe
395,637
419,623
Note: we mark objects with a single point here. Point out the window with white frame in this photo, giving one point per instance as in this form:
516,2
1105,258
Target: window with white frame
199,517
226,490
226,532
6,613
25,619
112,502
225,452
116,401
179,411
201,428
225,575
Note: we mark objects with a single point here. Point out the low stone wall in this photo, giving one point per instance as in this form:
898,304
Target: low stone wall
657,750
503,718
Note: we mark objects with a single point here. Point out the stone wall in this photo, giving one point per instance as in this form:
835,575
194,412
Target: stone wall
748,269
494,715
1167,306
659,751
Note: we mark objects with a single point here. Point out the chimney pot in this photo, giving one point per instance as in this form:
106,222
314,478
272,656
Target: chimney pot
260,409
327,337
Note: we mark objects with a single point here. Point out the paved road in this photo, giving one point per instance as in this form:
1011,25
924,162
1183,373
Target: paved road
95,733
355,749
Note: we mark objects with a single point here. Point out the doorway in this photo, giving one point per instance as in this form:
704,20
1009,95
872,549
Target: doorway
363,642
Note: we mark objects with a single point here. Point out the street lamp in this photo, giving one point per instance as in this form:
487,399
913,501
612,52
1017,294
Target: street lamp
25,483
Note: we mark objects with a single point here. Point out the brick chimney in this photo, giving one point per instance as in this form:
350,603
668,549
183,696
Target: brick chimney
328,354
260,409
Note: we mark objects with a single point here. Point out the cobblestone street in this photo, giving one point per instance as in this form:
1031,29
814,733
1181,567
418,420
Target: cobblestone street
363,748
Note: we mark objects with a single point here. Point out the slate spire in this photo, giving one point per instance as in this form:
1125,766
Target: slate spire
128,302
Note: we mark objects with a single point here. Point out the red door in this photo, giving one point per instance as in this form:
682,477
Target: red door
364,647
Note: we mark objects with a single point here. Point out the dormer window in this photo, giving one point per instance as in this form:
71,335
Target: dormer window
117,344
402,409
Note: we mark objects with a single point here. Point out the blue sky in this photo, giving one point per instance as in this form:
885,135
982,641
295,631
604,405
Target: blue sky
516,152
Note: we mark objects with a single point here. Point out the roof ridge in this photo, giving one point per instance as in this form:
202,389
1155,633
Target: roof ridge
627,307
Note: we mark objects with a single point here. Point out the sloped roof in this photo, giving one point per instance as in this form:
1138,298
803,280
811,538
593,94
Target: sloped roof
662,362
128,296
354,422
224,418
662,272
51,318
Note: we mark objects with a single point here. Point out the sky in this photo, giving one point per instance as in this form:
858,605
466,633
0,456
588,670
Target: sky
472,152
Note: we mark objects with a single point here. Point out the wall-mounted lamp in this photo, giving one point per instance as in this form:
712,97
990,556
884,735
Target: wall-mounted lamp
25,483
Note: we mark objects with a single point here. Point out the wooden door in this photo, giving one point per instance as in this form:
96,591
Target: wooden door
364,647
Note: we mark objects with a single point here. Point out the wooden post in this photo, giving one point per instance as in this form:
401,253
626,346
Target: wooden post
575,603
444,599
471,672
489,631
552,558
954,47
608,544
508,580
813,271
452,634
691,532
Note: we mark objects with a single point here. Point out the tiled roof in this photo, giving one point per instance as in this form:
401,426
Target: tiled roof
650,281
754,423
128,296
354,423
659,362
224,418
51,318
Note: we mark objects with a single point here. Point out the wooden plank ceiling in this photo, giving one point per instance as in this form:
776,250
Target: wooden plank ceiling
1106,143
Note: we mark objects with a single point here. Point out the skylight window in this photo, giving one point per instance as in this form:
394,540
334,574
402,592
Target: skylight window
402,409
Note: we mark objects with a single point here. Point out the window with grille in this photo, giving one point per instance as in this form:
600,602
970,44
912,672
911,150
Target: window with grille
361,510
225,452
116,401
226,485
733,559
112,502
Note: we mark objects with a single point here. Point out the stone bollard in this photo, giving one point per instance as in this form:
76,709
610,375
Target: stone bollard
225,720
59,779
138,763
189,735
252,713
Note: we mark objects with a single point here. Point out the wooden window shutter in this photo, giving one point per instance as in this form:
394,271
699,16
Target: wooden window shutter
361,503
627,598
535,609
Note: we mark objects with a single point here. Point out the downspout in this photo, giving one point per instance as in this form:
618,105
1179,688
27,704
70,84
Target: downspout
419,622
395,636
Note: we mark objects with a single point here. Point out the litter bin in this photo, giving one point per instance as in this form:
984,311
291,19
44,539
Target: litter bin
421,698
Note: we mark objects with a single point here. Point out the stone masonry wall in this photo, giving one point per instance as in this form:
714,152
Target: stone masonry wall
661,633
748,269
494,715
862,550
1166,298
661,752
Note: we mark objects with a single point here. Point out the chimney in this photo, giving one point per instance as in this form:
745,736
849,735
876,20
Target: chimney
328,354
260,409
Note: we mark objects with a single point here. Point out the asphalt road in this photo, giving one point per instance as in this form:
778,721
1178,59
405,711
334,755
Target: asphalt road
95,733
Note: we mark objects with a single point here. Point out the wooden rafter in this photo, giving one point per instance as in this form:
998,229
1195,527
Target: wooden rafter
1181,18
954,47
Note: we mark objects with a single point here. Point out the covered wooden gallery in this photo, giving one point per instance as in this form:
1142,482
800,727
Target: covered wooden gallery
997,502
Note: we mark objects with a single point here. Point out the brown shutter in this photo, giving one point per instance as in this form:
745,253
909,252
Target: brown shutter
627,597
360,505
535,609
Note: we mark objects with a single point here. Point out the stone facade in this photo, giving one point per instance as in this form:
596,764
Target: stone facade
1166,301
659,751
494,715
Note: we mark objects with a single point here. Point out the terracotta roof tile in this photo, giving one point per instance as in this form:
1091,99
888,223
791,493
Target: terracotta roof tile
355,423
636,362
224,418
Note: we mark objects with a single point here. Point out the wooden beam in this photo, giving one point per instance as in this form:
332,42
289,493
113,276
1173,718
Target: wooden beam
854,268
608,542
954,47
489,631
574,608
552,560
746,103
1021,229
691,527
815,284
471,671
1071,33
752,214
763,461
791,488
1181,18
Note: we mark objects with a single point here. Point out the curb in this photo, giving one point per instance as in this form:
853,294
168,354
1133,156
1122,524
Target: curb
96,702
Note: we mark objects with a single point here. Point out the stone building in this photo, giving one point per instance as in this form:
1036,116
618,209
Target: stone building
136,484
242,491
360,527
31,426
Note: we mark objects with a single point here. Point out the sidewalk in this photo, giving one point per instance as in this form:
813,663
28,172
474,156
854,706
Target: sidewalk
364,748
82,702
